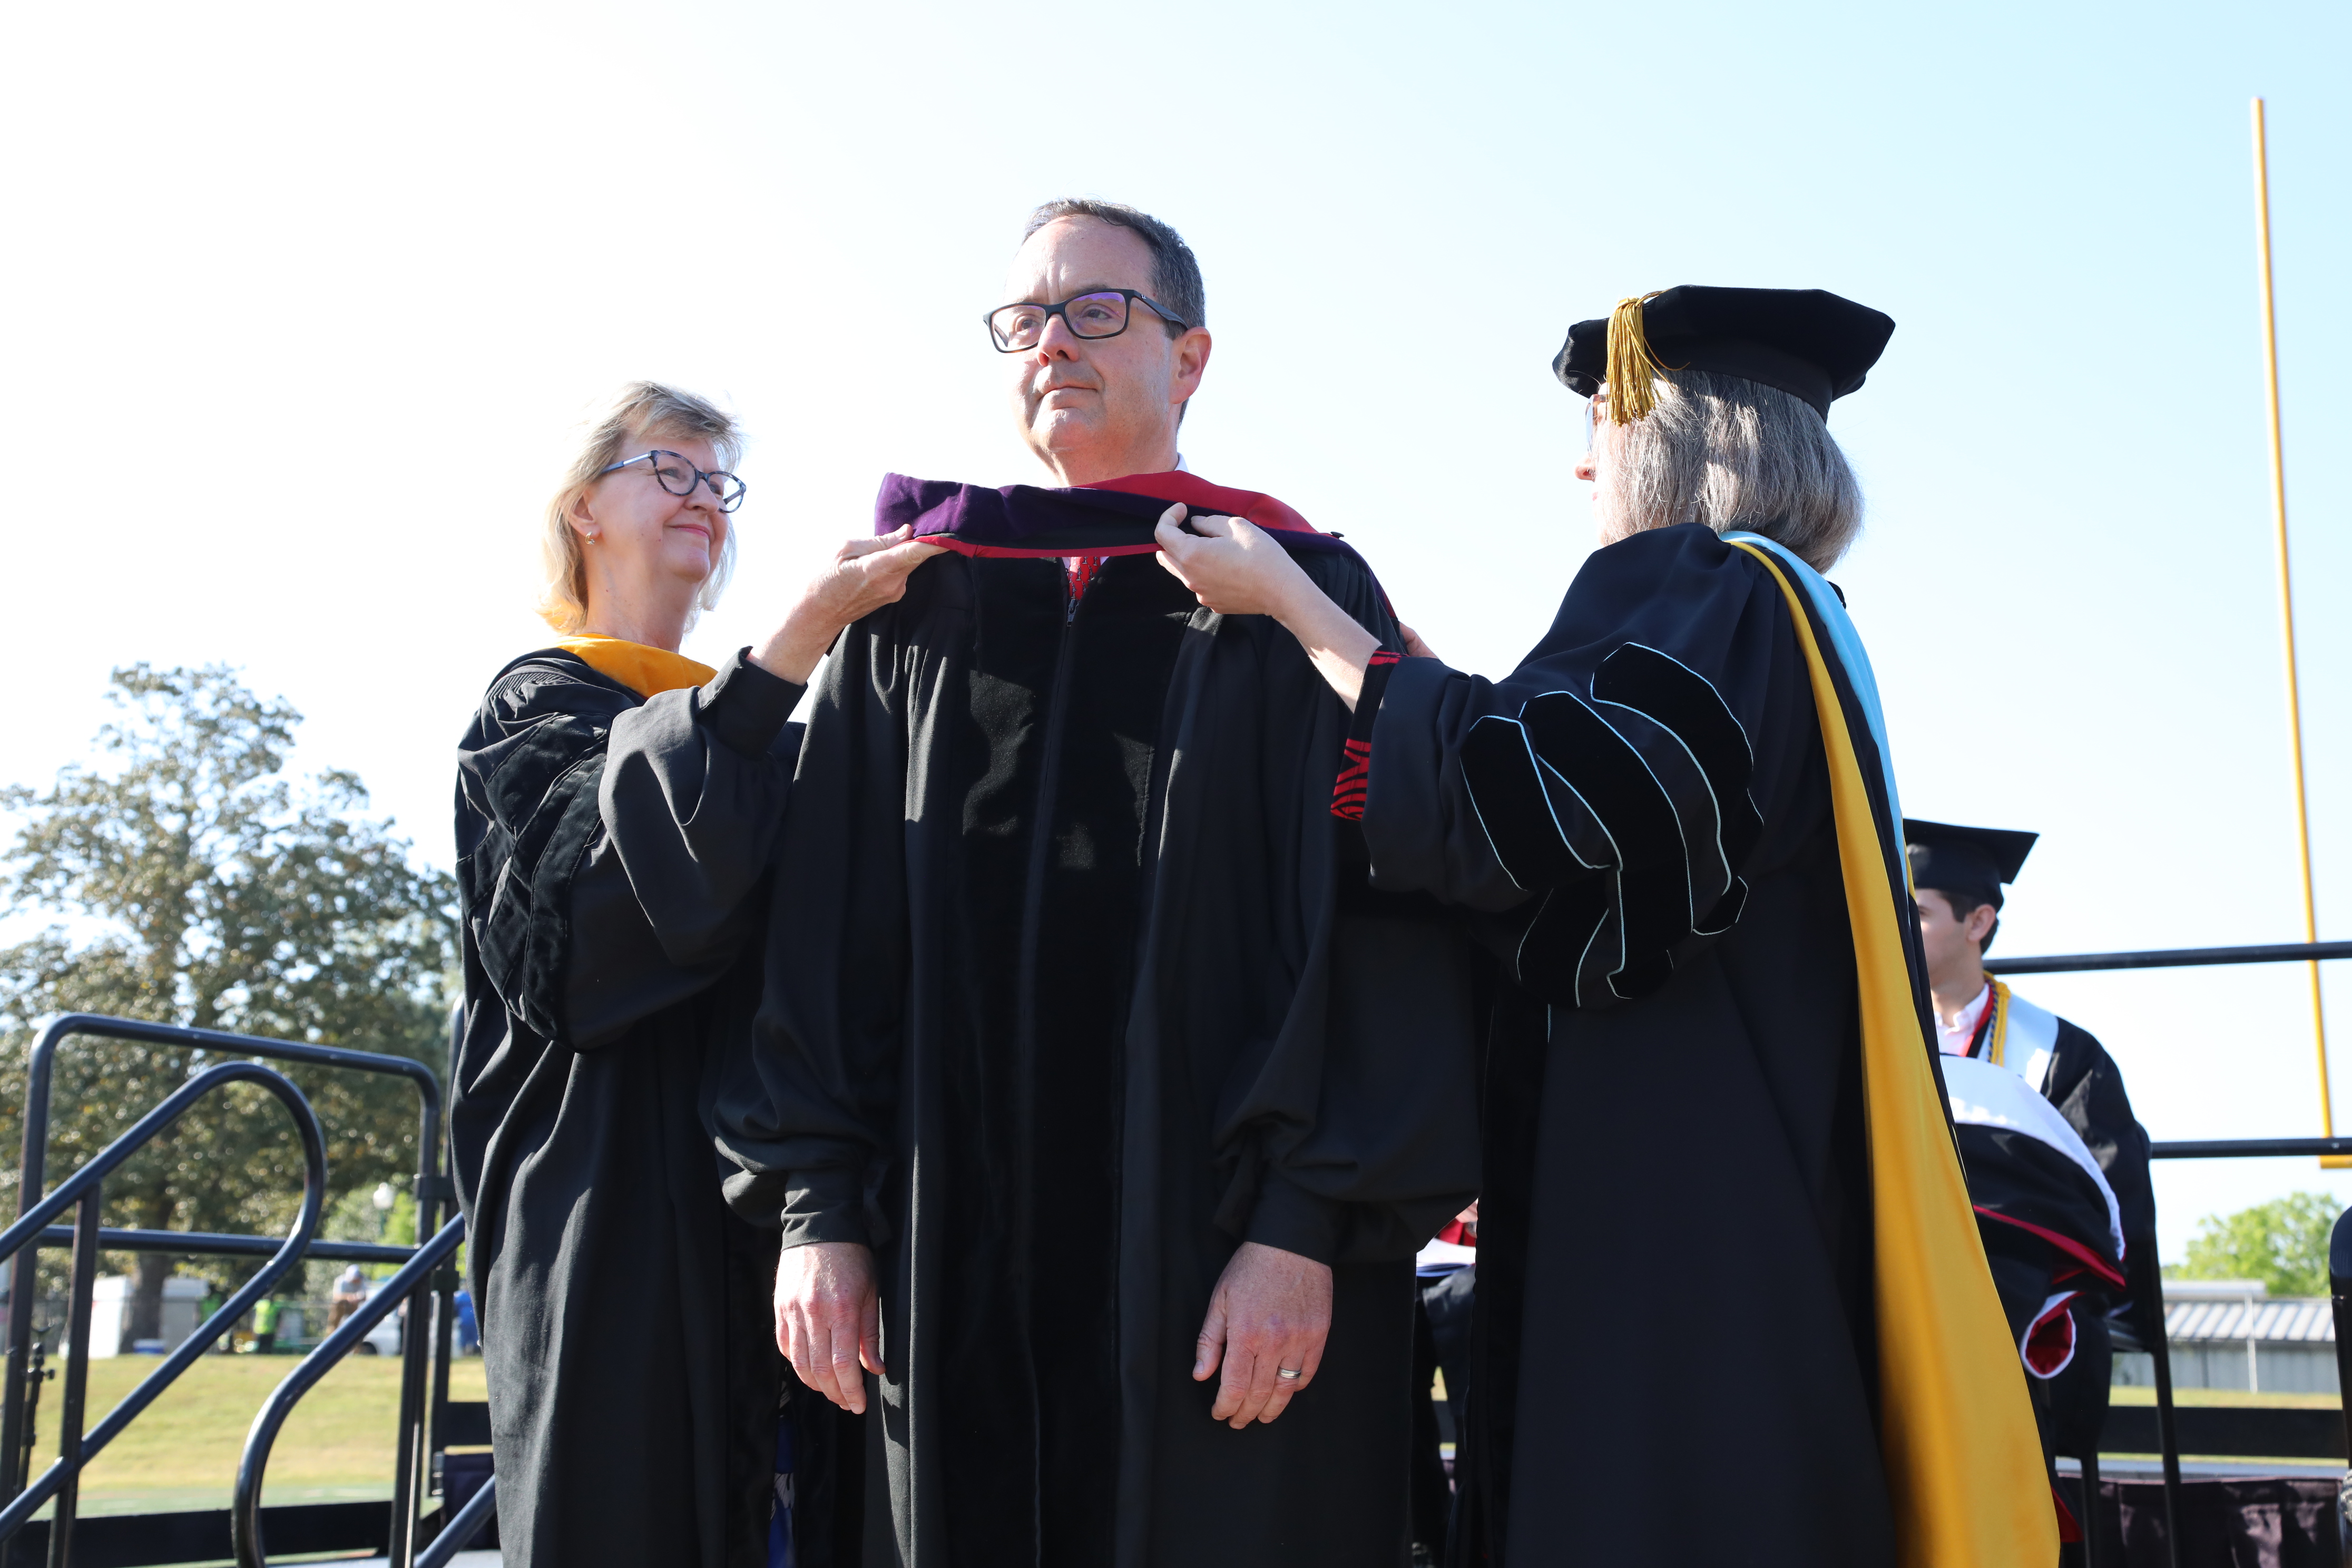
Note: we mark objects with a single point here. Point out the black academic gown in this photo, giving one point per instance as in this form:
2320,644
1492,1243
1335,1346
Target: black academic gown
613,853
2052,1233
2086,1086
1077,989
1673,1359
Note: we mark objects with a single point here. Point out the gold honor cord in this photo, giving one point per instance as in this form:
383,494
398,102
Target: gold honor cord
2286,622
1957,1431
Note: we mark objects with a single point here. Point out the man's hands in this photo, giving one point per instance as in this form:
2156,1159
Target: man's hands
1270,1313
829,1318
867,573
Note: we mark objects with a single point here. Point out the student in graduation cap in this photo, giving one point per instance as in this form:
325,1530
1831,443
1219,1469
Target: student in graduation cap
1711,1069
617,802
1958,874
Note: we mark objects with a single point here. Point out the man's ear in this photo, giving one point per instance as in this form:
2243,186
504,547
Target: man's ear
1981,919
1191,360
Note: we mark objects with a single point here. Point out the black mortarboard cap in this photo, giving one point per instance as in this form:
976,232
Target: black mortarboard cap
1971,861
1808,342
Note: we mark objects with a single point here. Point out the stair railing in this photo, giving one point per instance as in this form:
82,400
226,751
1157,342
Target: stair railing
414,1282
422,1407
84,1191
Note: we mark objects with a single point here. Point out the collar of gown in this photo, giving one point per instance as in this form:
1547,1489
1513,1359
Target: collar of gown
1114,518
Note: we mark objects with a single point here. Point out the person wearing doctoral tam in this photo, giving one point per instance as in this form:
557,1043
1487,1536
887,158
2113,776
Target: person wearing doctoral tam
1709,1069
1958,874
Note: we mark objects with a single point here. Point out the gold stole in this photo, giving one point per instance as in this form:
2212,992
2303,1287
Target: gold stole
642,668
1956,1423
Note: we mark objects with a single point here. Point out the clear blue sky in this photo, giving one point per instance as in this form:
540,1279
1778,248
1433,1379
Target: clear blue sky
303,303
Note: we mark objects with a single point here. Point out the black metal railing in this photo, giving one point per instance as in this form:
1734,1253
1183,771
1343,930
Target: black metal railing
2172,958
459,1532
84,1191
416,1276
428,1295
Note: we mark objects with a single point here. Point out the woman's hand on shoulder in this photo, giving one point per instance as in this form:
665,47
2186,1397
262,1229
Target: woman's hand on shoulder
865,575
1229,565
868,574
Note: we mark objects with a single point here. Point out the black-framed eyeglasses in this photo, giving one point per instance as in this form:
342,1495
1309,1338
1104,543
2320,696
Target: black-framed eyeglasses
678,477
1016,329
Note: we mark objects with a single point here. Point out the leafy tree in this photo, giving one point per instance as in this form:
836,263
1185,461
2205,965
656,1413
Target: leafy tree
2283,1243
205,889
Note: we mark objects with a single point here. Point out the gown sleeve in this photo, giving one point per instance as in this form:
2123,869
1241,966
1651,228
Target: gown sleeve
575,791
807,1097
1354,1135
691,802
1613,787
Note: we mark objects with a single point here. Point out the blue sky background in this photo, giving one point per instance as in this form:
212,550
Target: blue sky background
304,305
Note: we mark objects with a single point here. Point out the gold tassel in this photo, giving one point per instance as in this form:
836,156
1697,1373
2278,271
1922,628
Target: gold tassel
1633,369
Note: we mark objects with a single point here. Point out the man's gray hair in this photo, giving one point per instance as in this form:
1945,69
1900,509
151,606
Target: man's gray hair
1734,454
1175,272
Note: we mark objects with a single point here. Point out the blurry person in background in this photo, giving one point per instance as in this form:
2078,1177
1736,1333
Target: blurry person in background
616,804
349,1291
469,1332
1446,1276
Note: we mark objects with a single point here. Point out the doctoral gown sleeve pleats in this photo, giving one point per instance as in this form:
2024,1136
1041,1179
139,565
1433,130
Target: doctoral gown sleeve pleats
610,851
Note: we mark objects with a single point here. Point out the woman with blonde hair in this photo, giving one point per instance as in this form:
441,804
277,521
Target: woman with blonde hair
617,802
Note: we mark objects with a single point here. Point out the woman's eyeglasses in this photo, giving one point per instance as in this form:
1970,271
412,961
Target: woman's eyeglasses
678,477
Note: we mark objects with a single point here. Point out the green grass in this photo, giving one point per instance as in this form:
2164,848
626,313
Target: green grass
2145,1396
182,1453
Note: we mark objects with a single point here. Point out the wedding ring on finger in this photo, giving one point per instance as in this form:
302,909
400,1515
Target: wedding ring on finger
1288,1373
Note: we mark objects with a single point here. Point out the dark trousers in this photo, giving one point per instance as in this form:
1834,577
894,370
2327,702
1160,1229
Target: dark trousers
1441,1341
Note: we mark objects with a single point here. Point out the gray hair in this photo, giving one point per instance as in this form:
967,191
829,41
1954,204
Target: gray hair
1175,270
1734,454
643,411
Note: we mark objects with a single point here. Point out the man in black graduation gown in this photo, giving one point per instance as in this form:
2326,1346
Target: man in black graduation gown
1958,873
1102,1106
